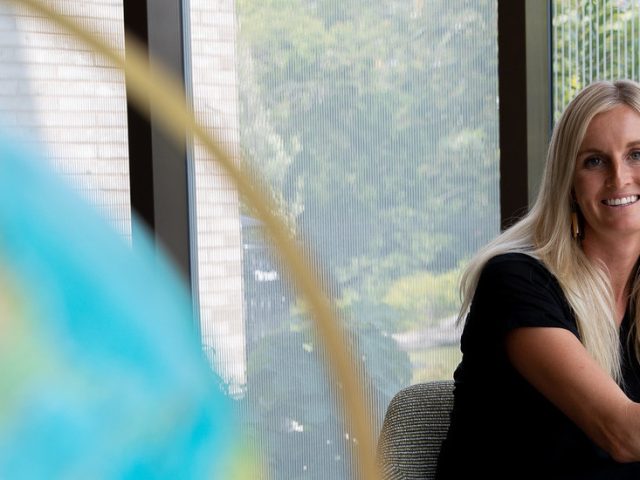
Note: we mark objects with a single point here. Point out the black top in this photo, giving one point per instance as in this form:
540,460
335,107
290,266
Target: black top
500,425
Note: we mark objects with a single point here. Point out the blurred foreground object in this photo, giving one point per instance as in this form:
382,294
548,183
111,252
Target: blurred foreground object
101,372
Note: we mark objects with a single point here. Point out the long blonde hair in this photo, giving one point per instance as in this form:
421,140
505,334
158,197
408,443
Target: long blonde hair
545,232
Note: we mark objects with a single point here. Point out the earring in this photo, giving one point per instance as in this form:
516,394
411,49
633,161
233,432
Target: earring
575,226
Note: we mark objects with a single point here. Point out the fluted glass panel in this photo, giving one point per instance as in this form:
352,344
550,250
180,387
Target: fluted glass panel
375,124
593,40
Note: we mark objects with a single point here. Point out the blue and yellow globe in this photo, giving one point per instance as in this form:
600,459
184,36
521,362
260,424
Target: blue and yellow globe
102,374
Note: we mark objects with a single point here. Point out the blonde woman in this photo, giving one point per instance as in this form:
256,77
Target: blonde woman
549,382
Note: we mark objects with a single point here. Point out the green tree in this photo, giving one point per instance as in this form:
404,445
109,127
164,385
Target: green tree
293,406
593,40
424,298
386,146
359,115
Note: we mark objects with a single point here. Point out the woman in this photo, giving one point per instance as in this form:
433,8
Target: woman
549,382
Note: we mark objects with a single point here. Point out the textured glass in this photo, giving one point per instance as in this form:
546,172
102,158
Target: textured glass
376,126
58,93
593,40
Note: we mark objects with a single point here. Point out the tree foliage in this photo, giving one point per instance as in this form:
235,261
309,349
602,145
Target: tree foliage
423,296
293,402
593,40
394,163
376,125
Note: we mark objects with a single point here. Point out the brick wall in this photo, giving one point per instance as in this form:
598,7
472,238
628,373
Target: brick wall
219,239
54,88
58,91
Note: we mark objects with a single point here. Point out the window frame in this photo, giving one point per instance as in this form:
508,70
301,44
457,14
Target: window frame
160,168
524,79
161,183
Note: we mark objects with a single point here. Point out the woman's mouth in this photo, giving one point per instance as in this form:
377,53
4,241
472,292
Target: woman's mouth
622,201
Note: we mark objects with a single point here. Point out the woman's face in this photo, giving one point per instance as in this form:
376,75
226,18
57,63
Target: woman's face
607,177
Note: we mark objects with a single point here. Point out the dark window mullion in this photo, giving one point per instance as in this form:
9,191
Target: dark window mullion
139,127
512,86
524,91
158,165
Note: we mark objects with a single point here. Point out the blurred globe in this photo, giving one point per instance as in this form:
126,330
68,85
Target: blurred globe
101,372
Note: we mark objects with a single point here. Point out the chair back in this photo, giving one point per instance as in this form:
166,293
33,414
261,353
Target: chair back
415,424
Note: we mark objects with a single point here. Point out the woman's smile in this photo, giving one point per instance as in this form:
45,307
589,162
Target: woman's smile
621,202
606,184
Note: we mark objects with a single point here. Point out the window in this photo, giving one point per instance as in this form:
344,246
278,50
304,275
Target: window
376,126
593,41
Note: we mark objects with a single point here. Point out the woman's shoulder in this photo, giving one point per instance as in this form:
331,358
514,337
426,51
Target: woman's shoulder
518,269
516,261
519,287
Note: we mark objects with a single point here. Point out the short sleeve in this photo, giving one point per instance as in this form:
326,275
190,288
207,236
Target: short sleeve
516,290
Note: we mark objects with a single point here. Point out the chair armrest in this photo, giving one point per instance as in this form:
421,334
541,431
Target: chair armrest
415,424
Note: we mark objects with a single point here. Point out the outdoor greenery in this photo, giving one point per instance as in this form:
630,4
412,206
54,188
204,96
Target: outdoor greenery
593,40
360,117
375,123
423,298
291,403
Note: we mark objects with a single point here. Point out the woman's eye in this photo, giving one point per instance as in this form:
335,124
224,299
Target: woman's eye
635,155
594,161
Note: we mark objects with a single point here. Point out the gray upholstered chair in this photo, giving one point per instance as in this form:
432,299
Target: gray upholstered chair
415,424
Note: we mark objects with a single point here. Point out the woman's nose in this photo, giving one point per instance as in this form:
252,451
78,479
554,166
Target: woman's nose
619,174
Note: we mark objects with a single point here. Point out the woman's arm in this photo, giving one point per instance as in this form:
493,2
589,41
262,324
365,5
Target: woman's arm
555,362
